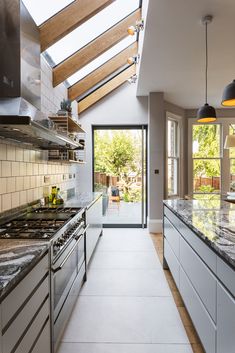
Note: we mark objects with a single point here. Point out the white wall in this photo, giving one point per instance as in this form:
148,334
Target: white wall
120,107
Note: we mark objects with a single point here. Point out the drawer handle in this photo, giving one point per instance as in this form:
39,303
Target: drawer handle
54,270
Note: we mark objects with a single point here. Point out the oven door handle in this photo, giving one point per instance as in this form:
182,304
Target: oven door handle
54,270
78,236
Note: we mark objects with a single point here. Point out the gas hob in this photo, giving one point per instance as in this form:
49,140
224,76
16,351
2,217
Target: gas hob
40,223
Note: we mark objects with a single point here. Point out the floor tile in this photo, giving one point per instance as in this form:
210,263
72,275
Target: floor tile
125,320
126,283
125,260
123,348
125,243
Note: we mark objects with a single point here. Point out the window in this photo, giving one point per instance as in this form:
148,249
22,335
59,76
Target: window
109,54
91,29
232,160
42,10
172,158
206,153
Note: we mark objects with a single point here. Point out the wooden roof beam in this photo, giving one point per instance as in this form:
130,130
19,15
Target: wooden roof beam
68,19
107,88
93,49
102,72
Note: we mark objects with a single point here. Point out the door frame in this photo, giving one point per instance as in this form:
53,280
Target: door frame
144,204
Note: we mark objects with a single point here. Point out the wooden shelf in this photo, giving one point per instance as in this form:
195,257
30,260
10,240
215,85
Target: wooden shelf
67,124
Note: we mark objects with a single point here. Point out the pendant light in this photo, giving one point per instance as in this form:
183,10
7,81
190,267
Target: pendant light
228,99
206,113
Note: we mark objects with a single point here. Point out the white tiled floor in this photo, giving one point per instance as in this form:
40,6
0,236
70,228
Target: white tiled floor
126,305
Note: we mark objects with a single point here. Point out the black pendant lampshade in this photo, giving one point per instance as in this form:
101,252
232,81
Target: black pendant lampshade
206,114
228,99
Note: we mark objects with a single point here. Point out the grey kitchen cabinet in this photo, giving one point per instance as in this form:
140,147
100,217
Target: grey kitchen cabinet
205,282
94,219
225,321
25,323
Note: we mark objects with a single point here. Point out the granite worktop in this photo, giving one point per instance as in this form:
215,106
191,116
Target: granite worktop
17,258
212,220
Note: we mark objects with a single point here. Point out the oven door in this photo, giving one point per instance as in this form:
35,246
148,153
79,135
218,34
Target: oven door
64,272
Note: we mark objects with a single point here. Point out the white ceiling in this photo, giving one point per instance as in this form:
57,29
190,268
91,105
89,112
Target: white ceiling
173,56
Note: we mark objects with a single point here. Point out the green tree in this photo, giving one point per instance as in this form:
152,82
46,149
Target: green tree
207,139
117,153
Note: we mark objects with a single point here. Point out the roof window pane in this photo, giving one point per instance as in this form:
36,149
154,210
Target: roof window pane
93,65
91,29
42,10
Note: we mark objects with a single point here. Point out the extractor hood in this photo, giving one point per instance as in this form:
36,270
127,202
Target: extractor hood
21,119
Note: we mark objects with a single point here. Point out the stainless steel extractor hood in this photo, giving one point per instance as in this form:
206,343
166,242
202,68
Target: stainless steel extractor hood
21,119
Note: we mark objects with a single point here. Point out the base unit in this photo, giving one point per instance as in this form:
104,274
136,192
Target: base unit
201,319
94,219
225,321
205,282
172,262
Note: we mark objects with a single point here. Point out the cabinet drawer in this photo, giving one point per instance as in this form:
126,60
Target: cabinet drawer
17,297
226,274
172,262
43,343
31,337
22,321
172,236
207,255
201,319
225,321
200,276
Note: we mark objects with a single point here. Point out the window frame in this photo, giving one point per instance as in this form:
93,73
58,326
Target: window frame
224,156
179,140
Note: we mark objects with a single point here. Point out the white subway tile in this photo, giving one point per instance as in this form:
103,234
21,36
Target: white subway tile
32,156
3,151
23,197
26,155
3,185
26,182
11,153
11,184
15,168
30,195
15,199
6,168
20,183
6,202
32,182
19,154
29,169
40,169
23,168
35,169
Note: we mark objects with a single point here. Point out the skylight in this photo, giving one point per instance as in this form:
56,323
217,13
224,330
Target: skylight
91,29
86,70
42,10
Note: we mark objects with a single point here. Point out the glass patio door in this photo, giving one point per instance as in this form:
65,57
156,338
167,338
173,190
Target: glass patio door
119,172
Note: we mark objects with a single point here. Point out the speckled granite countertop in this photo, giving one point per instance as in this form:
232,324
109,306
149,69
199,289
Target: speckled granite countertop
82,199
17,258
212,220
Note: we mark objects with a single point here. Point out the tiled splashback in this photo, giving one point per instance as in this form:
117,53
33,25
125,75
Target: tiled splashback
23,172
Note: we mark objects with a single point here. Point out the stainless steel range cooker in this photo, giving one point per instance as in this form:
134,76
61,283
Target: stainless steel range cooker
65,230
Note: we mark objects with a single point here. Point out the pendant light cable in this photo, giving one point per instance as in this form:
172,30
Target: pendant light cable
206,62
206,113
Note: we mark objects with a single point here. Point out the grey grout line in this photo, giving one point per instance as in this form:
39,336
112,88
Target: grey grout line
125,296
129,343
